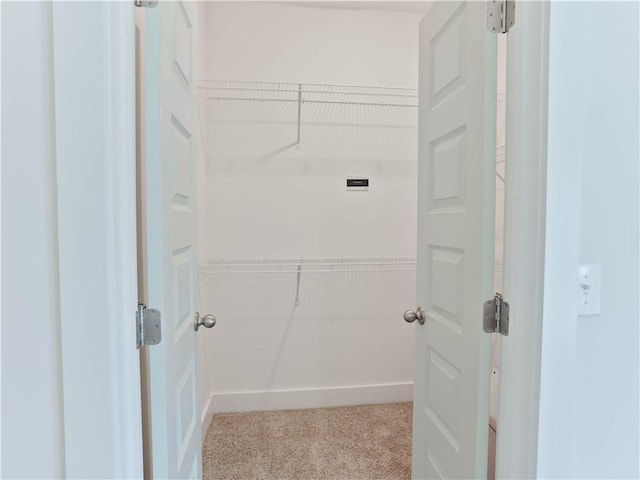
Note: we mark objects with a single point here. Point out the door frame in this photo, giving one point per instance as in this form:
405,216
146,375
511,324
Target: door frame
94,91
524,244
121,436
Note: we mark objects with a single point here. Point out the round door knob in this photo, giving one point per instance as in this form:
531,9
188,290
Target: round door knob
206,321
410,316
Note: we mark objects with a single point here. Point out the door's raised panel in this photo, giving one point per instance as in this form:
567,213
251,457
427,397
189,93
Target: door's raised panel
434,468
183,287
447,172
183,47
447,57
187,411
442,396
442,430
447,270
182,164
440,444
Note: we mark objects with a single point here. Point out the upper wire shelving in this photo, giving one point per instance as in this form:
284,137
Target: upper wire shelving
313,94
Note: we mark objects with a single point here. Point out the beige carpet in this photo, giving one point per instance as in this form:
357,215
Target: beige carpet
356,443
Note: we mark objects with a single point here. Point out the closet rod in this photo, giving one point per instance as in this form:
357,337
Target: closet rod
334,102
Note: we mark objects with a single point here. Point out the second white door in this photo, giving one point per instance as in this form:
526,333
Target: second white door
457,97
171,125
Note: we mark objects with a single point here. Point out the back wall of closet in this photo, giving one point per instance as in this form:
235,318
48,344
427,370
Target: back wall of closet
308,280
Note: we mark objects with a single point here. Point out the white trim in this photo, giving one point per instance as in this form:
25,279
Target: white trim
525,217
95,155
123,142
312,397
568,64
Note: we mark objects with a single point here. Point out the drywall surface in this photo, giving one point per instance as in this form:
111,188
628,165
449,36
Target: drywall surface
589,415
272,197
344,342
32,429
266,196
287,43
607,428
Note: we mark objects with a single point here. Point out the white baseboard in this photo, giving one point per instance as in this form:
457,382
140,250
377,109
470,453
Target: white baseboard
311,398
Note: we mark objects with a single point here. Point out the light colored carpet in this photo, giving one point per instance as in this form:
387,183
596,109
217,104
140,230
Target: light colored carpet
347,443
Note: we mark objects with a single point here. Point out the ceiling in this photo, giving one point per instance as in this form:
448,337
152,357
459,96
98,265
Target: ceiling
397,6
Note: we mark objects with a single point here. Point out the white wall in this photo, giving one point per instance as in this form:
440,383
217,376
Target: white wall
32,429
296,200
344,343
589,412
609,407
347,336
284,43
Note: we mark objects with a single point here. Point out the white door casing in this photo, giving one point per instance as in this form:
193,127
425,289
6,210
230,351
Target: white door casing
171,237
120,453
525,250
457,97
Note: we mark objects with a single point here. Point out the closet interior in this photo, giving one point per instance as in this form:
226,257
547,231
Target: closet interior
309,276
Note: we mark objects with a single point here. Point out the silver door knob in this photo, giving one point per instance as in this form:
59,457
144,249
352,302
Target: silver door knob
206,321
410,316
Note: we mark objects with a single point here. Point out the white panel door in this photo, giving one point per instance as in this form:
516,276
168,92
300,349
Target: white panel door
457,96
171,237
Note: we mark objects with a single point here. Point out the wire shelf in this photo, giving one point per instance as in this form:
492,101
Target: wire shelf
310,93
308,265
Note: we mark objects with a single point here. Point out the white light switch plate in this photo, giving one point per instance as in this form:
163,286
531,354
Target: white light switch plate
589,289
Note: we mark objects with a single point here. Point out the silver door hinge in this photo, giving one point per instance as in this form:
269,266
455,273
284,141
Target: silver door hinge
148,326
496,316
145,3
501,15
